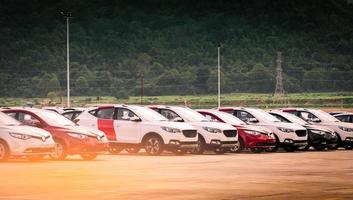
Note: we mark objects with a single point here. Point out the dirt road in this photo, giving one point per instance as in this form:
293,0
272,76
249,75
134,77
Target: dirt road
300,175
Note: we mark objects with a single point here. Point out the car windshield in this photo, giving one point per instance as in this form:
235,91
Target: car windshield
229,118
191,115
324,116
292,118
54,118
263,115
148,114
8,121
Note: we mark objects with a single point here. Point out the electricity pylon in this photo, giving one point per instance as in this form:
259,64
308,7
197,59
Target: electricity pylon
279,96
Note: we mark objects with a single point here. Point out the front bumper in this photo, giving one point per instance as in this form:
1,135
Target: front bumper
217,144
176,144
89,148
294,143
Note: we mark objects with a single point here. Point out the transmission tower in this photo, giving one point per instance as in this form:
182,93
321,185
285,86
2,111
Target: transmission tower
279,96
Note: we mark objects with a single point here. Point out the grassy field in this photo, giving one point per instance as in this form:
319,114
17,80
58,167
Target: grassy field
318,100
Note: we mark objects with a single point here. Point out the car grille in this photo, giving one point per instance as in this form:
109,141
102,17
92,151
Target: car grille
300,133
230,133
190,133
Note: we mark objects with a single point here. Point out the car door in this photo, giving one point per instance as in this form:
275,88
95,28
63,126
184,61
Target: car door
105,121
127,131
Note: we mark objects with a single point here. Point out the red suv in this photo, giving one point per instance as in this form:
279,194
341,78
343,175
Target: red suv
69,138
251,137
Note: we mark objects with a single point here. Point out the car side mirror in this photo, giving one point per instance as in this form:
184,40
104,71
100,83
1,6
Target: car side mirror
135,119
178,119
253,120
76,121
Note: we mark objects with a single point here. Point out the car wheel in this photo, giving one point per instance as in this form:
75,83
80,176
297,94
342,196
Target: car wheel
4,152
88,156
307,147
348,147
153,146
133,150
238,148
59,151
115,150
200,147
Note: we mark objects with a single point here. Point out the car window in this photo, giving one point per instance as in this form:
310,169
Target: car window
210,117
307,116
282,119
243,115
105,113
125,114
343,118
75,115
27,119
12,114
68,115
170,115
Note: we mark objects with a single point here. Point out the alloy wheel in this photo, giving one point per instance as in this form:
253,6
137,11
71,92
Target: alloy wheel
153,146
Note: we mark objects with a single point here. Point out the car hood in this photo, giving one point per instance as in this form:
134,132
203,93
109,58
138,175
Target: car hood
344,124
321,128
28,130
178,125
82,130
257,128
283,125
218,125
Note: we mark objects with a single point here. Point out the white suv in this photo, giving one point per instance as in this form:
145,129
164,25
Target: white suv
17,140
132,127
343,130
215,136
289,136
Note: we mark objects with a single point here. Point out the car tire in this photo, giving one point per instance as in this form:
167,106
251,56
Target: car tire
254,150
115,150
153,145
200,147
348,147
307,147
59,152
319,147
4,152
133,150
238,148
89,156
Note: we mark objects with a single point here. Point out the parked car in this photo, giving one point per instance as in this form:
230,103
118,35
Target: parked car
343,130
132,127
289,136
214,136
319,137
255,138
69,138
345,117
17,140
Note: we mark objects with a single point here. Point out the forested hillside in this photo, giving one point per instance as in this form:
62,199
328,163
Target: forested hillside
173,45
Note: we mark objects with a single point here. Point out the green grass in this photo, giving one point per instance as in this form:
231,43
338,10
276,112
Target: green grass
319,100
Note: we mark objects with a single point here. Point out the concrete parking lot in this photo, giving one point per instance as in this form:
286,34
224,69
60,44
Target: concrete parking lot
300,175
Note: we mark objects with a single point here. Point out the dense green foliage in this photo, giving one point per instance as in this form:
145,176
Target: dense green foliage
173,45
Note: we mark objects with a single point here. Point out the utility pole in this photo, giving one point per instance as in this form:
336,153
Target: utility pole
279,96
67,15
142,88
219,75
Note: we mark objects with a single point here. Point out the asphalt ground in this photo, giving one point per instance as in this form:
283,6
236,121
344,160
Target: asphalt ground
298,175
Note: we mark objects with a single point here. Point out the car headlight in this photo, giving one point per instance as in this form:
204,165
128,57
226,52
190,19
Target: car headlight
318,132
255,133
285,130
212,130
170,129
346,129
20,136
78,135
